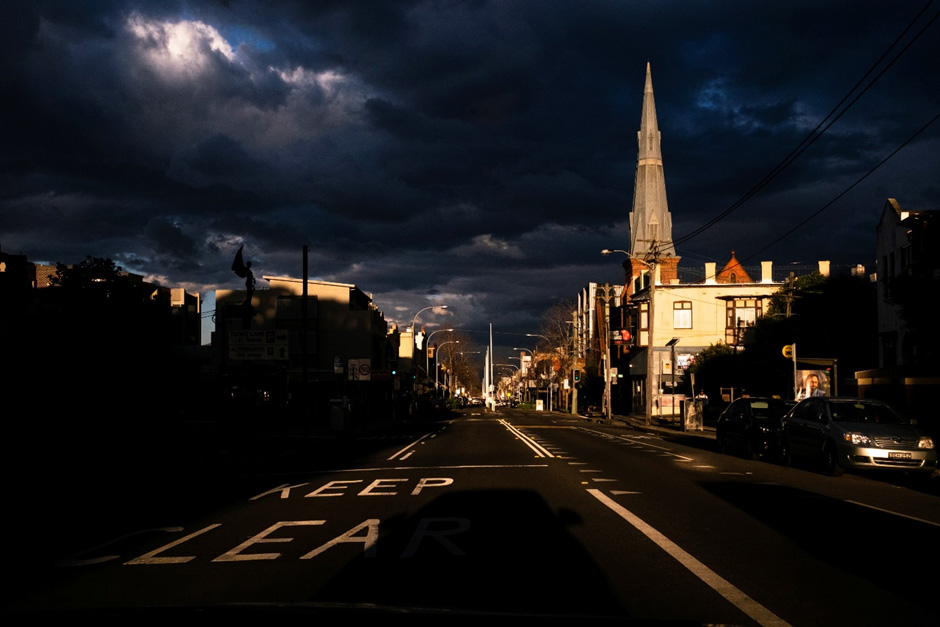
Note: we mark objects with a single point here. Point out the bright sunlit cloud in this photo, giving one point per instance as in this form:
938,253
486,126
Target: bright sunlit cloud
181,48
488,245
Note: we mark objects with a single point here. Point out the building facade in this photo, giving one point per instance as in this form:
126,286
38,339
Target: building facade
323,349
908,271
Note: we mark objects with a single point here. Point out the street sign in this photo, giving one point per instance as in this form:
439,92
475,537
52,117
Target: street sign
258,345
360,370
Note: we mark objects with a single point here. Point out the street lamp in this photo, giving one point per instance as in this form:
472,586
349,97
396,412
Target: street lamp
608,291
415,319
435,361
672,345
549,378
526,370
529,350
427,356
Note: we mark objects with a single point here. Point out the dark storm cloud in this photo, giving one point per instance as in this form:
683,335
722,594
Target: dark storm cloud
472,153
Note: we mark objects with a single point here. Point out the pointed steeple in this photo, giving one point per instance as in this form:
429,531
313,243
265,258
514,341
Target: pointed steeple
650,220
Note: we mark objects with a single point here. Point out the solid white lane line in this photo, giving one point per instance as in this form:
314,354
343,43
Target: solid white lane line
740,600
408,447
888,511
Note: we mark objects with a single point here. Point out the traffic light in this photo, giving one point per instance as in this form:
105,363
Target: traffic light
577,375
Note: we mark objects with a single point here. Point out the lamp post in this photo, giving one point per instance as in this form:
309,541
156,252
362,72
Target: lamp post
526,370
415,319
427,357
508,366
414,342
435,361
549,378
672,345
607,292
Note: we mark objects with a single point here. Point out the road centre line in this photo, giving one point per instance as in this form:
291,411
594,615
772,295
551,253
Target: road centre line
540,451
739,599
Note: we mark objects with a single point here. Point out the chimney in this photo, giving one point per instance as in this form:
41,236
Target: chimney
710,273
767,272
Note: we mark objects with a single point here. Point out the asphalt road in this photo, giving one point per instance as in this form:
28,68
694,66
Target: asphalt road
522,514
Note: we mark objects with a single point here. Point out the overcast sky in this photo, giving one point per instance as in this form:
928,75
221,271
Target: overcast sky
473,153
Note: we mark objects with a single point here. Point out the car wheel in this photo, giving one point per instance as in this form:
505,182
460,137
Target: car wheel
831,462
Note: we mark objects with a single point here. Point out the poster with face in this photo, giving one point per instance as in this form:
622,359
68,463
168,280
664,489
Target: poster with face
812,383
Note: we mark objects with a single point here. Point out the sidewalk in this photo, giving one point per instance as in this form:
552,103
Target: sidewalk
657,425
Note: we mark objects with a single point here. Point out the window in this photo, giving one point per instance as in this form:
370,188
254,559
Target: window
741,314
682,314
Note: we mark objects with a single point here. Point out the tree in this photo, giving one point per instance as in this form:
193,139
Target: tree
829,317
92,271
557,338
716,367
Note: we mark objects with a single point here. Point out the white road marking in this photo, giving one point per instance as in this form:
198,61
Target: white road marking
743,602
74,561
402,451
151,557
532,444
888,511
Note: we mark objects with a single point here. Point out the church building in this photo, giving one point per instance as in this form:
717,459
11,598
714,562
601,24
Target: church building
673,321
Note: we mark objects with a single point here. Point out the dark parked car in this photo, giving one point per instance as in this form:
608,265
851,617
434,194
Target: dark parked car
855,433
749,425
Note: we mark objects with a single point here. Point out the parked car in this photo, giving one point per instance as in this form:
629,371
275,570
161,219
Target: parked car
855,433
749,425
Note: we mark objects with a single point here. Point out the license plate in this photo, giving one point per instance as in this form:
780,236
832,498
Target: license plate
899,455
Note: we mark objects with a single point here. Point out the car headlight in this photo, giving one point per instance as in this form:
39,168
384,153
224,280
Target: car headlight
859,439
925,442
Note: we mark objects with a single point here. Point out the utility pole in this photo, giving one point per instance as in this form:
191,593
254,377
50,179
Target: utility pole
651,260
791,284
605,292
575,333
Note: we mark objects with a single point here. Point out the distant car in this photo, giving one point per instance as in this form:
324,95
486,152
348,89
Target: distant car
749,425
856,434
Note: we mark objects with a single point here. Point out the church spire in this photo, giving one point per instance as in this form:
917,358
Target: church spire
650,220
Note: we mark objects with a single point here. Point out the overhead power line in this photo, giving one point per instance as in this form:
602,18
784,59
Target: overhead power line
821,128
847,189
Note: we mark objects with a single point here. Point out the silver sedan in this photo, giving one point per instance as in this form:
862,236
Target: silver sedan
857,434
